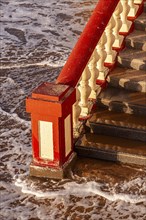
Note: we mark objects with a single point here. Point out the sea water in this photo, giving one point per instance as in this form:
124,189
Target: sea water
36,39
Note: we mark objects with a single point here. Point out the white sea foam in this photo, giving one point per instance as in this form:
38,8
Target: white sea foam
15,117
82,190
43,34
51,29
42,63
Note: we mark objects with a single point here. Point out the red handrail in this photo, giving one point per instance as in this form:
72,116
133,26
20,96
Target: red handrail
87,42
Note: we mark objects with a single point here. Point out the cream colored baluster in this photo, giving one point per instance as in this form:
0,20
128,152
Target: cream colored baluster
102,70
76,113
126,25
138,1
118,38
133,8
102,56
110,54
94,74
85,91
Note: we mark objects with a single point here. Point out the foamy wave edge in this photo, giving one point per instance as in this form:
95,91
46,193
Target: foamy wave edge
15,117
43,63
85,189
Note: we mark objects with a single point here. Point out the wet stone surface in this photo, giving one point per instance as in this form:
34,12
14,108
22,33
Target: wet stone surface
37,37
41,32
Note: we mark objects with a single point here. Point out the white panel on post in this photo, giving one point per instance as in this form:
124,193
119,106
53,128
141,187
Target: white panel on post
68,141
46,140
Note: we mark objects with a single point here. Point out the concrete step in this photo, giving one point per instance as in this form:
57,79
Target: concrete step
118,124
137,39
121,100
134,80
134,59
112,148
144,6
140,22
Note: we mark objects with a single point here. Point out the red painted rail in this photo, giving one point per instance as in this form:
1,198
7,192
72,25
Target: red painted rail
87,42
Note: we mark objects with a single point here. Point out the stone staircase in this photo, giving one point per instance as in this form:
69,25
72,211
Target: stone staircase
118,126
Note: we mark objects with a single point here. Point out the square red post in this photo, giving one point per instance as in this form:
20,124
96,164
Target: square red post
50,106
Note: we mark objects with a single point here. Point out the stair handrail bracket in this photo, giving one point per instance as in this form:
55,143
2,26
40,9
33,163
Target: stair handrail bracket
58,109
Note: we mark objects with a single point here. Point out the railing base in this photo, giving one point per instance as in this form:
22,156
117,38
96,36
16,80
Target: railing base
53,173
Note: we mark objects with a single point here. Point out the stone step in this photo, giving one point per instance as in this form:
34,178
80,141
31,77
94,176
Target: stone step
144,7
121,100
118,124
140,22
137,39
112,148
134,80
134,59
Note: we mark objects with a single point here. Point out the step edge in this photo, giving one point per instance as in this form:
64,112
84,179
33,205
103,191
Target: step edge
120,157
123,102
118,126
109,151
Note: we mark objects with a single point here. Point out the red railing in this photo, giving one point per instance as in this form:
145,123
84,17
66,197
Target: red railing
57,107
87,42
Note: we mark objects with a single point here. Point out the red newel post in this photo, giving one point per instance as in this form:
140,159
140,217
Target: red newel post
50,106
